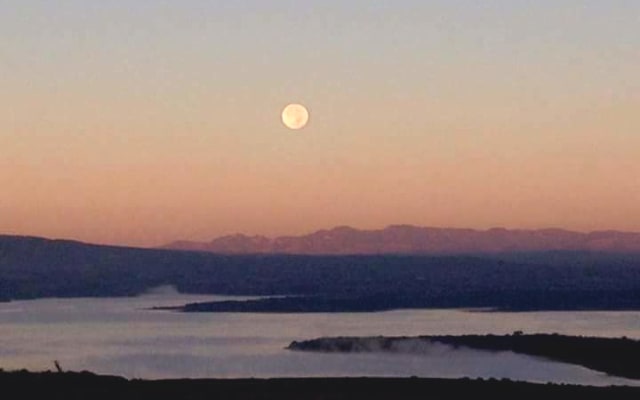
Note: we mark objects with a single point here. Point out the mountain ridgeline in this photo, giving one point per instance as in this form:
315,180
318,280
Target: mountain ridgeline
406,239
36,268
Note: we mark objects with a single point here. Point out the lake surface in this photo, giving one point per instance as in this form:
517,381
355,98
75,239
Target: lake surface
122,336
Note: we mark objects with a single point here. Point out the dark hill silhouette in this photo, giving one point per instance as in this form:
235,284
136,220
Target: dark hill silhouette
35,267
407,239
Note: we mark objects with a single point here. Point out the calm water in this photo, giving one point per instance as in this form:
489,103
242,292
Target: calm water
120,336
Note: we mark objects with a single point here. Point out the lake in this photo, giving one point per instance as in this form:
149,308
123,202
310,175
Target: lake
121,336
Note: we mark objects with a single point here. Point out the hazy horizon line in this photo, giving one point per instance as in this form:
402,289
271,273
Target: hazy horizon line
311,232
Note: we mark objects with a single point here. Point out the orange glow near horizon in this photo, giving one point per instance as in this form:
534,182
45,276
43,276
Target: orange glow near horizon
117,130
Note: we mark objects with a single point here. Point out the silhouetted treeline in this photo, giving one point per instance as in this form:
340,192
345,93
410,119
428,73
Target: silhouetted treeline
32,268
82,386
614,356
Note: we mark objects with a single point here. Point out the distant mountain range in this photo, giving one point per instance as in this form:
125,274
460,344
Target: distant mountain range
407,239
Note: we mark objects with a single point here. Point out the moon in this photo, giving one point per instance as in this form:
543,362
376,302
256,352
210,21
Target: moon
295,116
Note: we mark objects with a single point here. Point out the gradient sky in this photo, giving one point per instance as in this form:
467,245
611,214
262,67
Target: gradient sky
141,122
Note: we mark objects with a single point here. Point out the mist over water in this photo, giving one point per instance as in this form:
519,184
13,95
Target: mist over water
122,336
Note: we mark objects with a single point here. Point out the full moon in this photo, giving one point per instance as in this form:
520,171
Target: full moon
295,116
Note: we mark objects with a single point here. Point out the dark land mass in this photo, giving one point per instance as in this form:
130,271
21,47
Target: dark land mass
71,386
409,239
524,300
617,357
36,268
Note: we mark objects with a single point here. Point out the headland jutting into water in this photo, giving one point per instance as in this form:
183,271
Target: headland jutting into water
613,356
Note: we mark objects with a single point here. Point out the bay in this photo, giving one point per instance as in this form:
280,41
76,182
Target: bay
122,336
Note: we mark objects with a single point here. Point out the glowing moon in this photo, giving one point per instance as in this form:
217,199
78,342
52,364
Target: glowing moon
295,116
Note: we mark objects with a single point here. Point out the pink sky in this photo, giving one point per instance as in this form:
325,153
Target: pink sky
152,122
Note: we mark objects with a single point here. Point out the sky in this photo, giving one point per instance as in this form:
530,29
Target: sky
144,122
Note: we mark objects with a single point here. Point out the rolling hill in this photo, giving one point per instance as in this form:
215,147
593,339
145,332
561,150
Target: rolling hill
36,267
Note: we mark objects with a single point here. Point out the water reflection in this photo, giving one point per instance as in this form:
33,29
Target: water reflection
121,336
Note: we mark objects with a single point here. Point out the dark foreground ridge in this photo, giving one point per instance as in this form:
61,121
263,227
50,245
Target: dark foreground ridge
613,356
71,386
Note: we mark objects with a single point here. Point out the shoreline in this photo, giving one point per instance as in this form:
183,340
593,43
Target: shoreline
369,304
